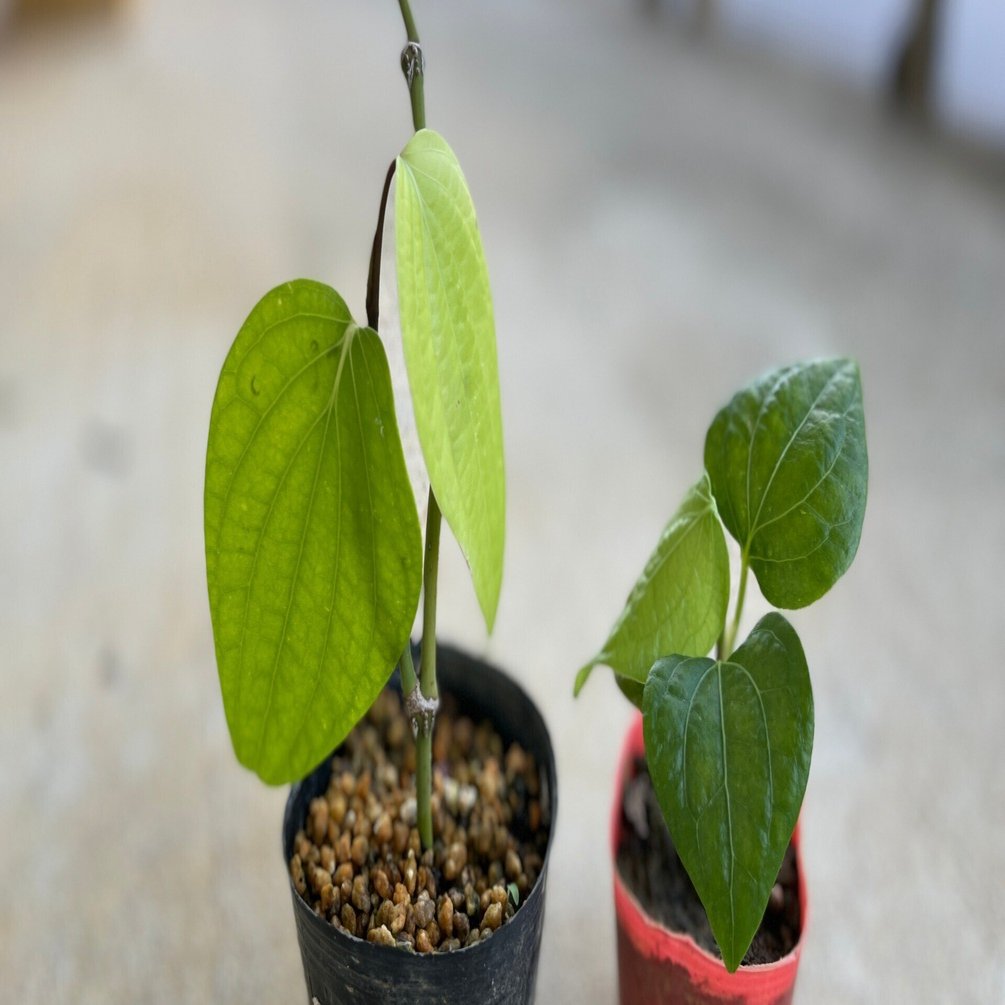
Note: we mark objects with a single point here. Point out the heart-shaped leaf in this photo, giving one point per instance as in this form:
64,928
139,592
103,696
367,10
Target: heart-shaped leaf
679,603
313,550
448,334
728,746
789,468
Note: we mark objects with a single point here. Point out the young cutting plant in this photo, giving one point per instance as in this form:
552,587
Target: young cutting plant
728,739
314,556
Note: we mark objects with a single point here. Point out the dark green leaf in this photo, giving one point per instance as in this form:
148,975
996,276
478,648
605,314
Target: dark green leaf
789,469
448,334
313,551
679,603
631,689
728,746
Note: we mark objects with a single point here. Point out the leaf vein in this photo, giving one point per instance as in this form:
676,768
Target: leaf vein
781,457
346,346
259,538
729,815
261,420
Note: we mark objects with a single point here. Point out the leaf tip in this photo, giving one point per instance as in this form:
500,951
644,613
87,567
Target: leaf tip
582,677
731,956
487,592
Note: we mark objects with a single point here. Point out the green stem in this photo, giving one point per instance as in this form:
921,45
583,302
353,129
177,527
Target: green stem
427,675
406,14
728,640
424,786
427,663
413,66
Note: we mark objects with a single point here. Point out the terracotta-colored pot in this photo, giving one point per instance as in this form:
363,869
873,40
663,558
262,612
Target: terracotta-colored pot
656,965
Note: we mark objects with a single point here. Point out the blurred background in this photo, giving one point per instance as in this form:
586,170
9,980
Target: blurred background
675,196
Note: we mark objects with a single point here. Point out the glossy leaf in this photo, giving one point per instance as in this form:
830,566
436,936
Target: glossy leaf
448,333
679,603
789,468
728,746
313,550
629,687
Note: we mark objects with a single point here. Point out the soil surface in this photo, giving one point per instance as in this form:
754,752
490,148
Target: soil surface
358,860
648,863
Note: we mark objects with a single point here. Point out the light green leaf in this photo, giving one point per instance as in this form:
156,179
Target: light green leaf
789,469
313,550
448,333
728,746
679,603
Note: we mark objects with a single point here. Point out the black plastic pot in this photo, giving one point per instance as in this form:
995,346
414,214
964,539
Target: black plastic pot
339,967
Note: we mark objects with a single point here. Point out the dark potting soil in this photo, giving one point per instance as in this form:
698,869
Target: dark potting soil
649,866
358,860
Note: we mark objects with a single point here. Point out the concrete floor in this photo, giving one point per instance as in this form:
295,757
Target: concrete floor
664,220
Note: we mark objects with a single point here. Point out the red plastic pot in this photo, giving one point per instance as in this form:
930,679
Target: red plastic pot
656,965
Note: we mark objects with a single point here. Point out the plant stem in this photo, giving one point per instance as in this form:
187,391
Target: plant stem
424,786
373,276
412,64
427,679
728,640
406,14
427,665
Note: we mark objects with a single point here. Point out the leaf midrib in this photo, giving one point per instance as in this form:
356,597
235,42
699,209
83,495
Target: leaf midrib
259,538
719,666
272,404
781,457
729,813
806,498
441,287
430,243
319,671
347,339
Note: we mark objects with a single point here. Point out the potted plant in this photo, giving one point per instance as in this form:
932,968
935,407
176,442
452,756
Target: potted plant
415,865
714,770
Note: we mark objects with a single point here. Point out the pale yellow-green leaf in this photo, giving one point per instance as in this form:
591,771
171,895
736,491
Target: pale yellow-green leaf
448,334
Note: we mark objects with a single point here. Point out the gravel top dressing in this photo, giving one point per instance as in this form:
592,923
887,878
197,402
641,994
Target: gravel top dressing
653,873
358,859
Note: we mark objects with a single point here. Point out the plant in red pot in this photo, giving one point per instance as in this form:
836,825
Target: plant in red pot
709,900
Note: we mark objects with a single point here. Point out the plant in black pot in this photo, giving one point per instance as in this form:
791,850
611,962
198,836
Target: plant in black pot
714,772
417,852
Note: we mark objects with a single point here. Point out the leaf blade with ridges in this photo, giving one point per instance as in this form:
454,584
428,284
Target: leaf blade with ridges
789,468
313,552
728,745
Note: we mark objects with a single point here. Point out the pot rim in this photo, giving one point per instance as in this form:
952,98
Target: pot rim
548,771
651,931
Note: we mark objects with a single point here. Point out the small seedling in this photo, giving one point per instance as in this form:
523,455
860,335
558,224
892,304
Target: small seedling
728,740
314,555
